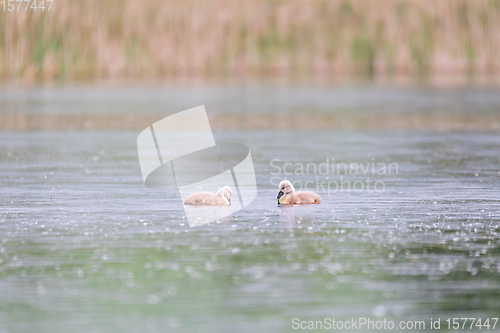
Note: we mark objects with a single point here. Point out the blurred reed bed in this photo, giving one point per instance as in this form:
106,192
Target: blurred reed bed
25,121
151,39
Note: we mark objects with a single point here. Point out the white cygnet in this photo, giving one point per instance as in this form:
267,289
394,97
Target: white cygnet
288,196
221,198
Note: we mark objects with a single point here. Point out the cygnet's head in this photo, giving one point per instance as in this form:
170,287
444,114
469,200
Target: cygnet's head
285,188
225,193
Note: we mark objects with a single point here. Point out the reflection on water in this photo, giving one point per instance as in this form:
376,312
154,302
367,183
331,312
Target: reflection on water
86,247
253,108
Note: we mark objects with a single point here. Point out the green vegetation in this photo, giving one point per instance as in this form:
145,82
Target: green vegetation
124,39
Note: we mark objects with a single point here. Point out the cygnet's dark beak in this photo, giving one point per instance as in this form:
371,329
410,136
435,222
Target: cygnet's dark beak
229,200
280,194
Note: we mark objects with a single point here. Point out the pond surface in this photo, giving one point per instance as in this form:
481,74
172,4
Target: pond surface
409,226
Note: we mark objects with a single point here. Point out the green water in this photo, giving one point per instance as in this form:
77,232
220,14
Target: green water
86,247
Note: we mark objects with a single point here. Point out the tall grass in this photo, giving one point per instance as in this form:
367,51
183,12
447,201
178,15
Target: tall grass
168,39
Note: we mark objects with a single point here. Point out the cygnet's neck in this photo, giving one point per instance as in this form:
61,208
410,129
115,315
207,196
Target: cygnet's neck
221,195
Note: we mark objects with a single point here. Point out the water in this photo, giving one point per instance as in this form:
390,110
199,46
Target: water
86,247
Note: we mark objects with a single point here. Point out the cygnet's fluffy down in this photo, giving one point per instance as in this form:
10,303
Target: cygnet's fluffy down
288,196
221,198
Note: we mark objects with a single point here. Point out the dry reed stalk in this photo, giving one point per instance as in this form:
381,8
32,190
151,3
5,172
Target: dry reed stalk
152,39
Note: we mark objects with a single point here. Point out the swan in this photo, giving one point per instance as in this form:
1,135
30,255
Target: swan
288,196
221,198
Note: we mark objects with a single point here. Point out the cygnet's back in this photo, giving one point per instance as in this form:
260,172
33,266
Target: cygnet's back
222,198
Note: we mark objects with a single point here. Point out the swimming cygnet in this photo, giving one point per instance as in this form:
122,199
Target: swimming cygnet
221,198
288,196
